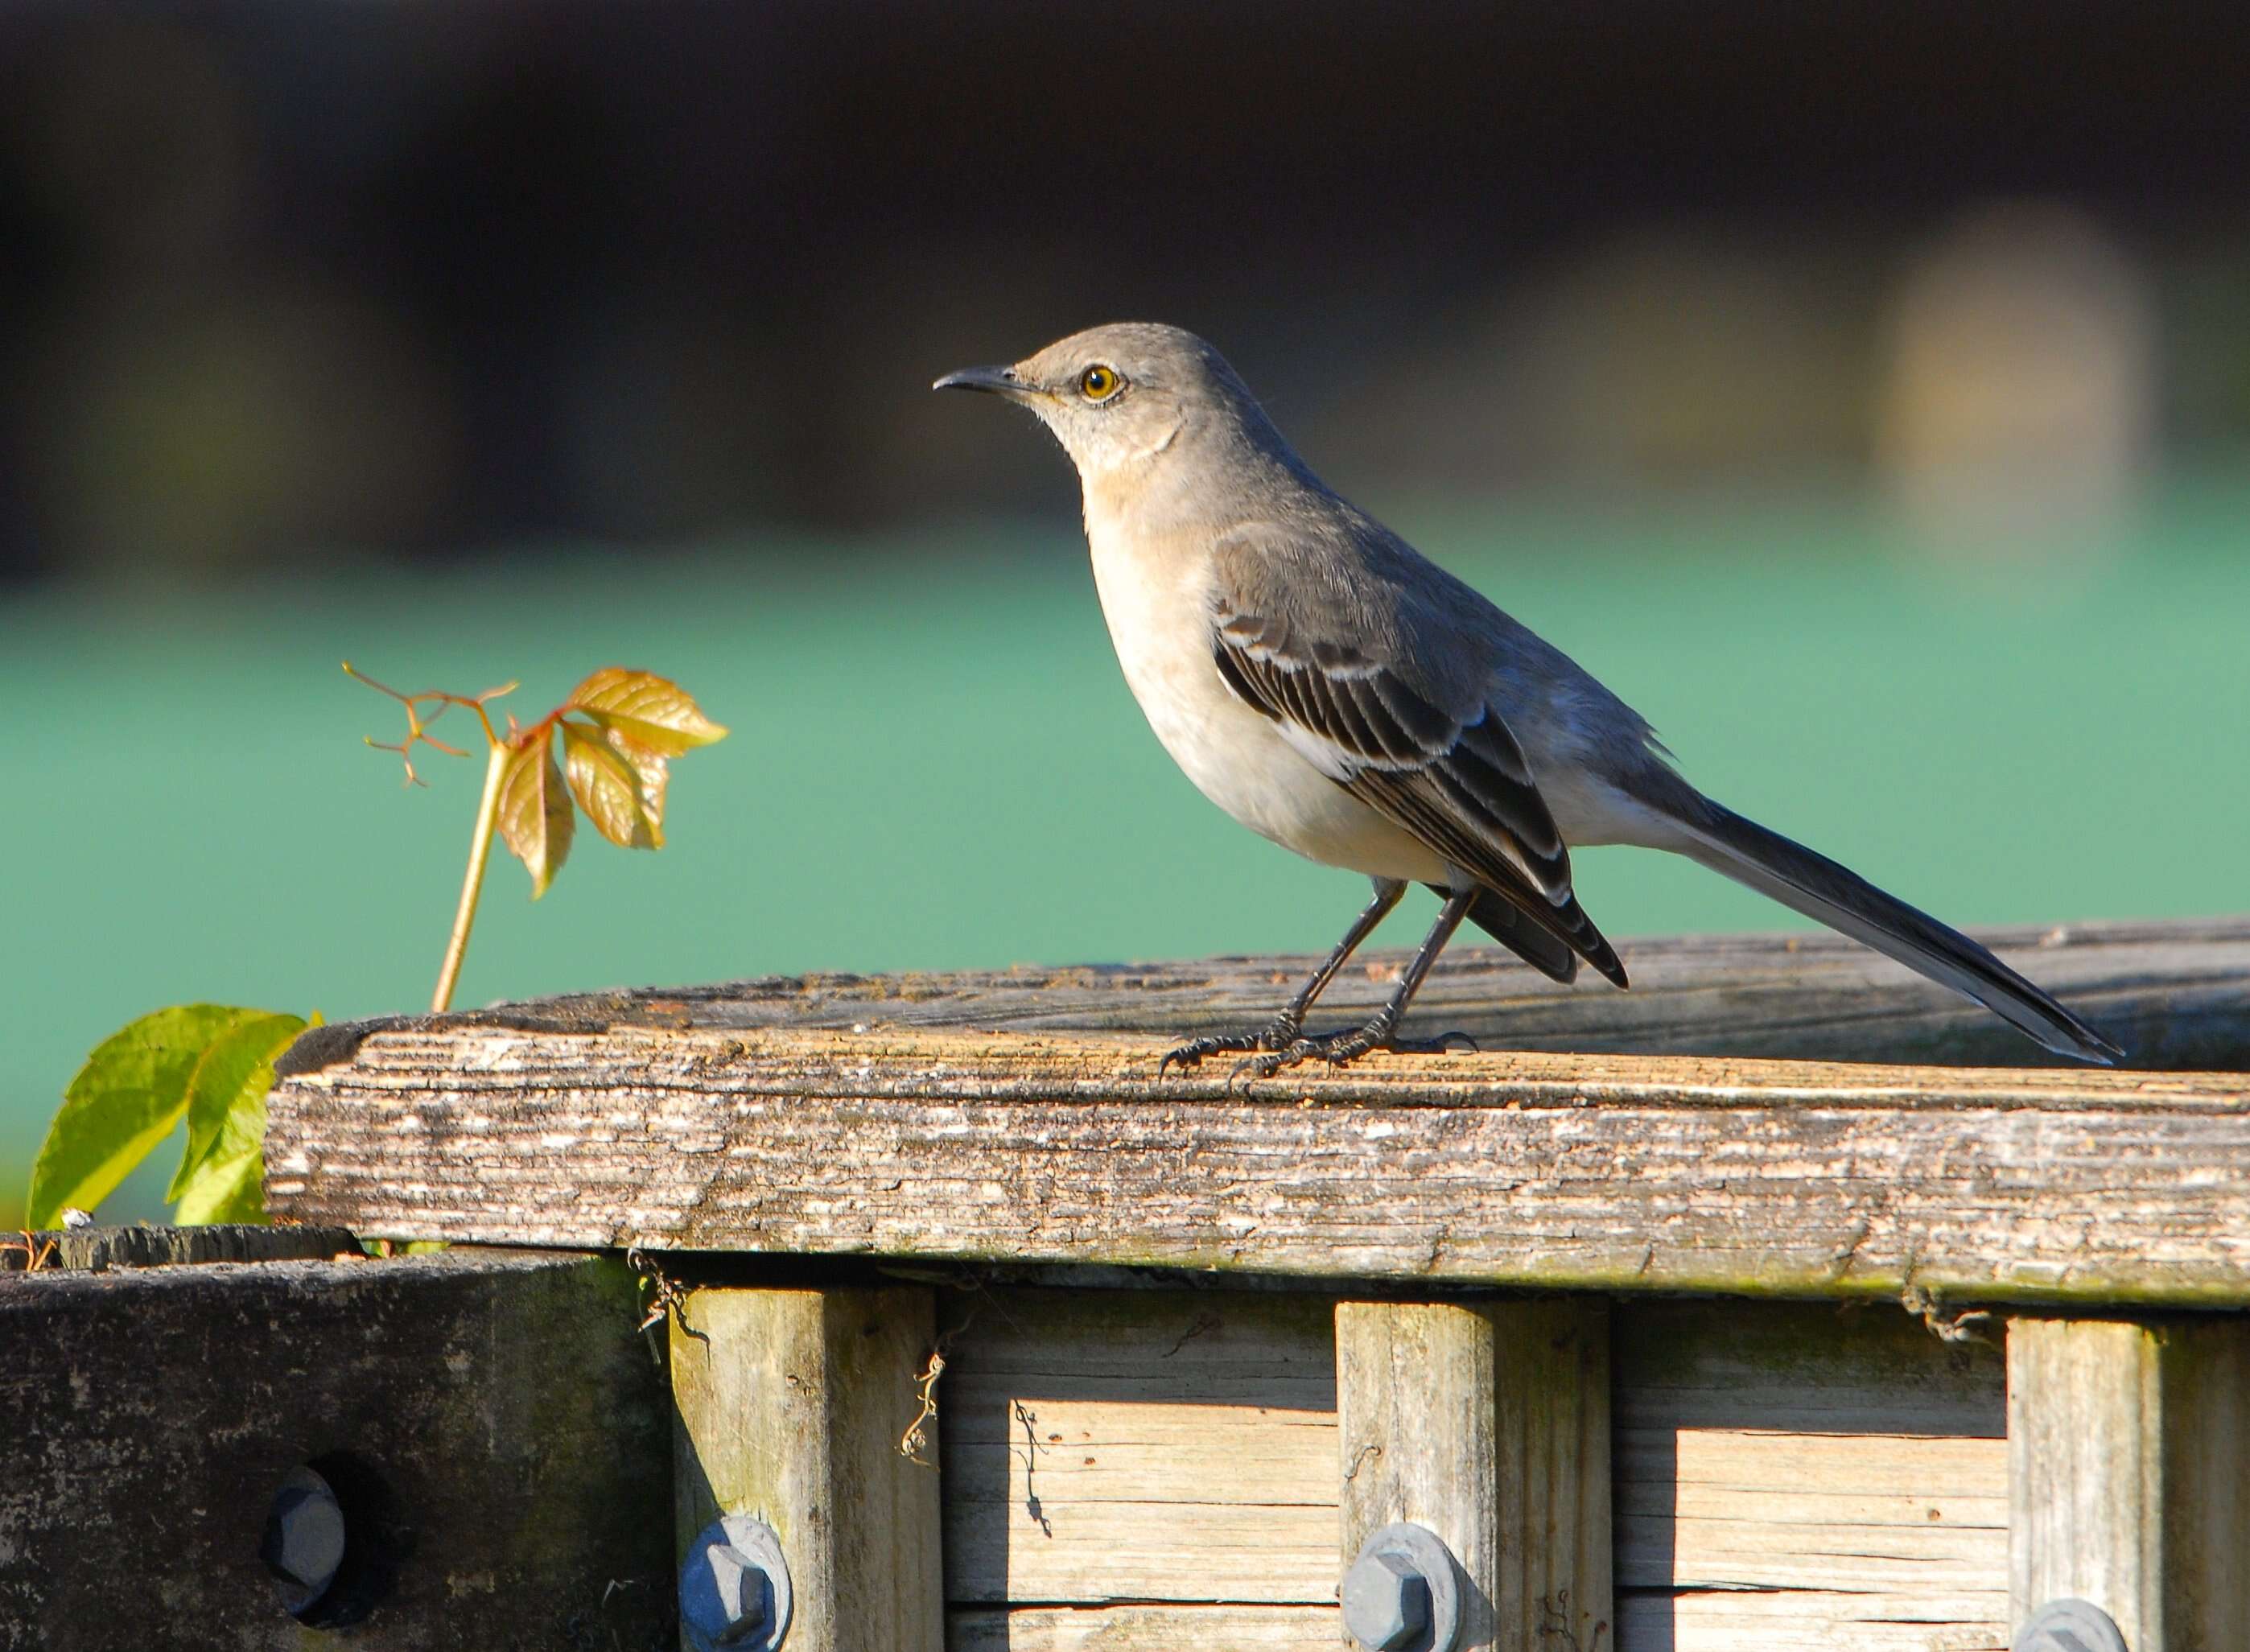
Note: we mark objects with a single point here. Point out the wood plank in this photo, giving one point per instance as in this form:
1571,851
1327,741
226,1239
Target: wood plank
1725,1530
149,1244
1617,1173
2204,1367
789,1404
1789,1476
2086,1471
2176,994
1487,1423
1139,1628
1851,1368
493,1428
2129,1473
1144,1446
1919,1470
1735,1621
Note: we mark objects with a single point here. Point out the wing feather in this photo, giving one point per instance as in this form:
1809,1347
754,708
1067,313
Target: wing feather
1454,777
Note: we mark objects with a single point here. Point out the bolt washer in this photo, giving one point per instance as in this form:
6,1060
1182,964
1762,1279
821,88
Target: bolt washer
2070,1626
1427,1552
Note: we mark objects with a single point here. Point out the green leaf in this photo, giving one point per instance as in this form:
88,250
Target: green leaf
126,1099
608,788
227,1188
534,810
226,1102
647,710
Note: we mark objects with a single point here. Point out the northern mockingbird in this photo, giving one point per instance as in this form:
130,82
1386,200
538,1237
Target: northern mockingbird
1334,691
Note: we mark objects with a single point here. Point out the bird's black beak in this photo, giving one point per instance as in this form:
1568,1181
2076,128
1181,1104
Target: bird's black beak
999,381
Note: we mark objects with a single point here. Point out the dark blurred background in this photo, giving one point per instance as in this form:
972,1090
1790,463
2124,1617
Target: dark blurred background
1864,390
292,281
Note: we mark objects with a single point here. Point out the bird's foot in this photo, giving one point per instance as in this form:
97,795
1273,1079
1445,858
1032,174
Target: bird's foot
1280,1033
1338,1049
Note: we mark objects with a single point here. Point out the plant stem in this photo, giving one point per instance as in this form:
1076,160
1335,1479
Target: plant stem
473,883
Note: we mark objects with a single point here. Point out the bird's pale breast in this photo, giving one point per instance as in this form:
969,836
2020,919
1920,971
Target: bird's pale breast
1155,598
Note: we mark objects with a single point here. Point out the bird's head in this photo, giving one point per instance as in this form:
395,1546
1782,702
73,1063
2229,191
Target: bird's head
1125,395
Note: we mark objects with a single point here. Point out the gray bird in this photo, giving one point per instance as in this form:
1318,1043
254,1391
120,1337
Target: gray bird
1333,690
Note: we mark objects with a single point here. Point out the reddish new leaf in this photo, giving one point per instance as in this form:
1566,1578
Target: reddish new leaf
648,711
608,787
534,810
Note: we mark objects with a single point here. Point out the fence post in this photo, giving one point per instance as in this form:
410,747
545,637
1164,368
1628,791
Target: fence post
1490,1425
2129,1471
788,1406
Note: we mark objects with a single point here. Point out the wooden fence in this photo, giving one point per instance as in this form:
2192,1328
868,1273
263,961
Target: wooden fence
980,1334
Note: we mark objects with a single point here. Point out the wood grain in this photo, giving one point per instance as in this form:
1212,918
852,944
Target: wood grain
1788,1476
96,1249
1143,1446
1618,1173
1145,1627
2176,994
1488,1423
2085,1469
2129,1467
1840,1620
788,1406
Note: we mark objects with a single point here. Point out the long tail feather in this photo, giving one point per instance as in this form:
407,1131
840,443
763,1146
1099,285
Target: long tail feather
1835,896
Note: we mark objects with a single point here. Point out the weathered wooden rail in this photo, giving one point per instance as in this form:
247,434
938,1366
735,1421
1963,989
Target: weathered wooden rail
1767,1324
2176,994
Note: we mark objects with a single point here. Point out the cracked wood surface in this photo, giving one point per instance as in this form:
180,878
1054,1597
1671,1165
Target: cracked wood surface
2175,994
549,1124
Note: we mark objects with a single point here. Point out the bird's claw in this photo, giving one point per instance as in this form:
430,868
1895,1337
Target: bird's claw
1339,1050
1281,1035
1334,1048
1286,1044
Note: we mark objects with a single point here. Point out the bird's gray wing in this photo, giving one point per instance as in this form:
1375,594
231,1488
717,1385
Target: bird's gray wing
1408,729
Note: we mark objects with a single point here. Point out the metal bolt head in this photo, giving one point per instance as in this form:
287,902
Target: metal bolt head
722,1593
2069,1626
1386,1602
734,1588
741,1588
304,1541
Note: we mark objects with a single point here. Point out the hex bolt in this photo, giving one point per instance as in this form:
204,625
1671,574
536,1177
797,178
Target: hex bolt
304,1540
733,1587
1386,1602
739,1588
2069,1626
1403,1592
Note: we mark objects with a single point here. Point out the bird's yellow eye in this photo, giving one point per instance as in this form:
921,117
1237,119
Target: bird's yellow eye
1098,383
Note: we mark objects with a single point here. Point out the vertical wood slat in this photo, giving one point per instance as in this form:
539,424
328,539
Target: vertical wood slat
788,1406
2128,1467
1490,1425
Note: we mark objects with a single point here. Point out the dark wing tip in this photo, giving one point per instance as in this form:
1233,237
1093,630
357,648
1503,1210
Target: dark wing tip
1604,958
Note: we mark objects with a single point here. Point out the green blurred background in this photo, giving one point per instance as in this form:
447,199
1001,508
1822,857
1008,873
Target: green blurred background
1864,394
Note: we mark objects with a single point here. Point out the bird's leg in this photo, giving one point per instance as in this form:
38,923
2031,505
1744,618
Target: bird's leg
1285,1028
1337,1048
